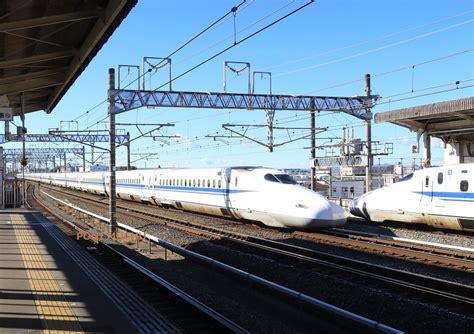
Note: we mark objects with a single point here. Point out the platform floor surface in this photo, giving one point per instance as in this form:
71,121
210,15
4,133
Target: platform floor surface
42,290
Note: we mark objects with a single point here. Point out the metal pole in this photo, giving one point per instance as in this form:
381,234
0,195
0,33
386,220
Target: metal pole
23,161
330,181
2,177
92,154
313,144
127,145
112,190
426,150
368,135
83,158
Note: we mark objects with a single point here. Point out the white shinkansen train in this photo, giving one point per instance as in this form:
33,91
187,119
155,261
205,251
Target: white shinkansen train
250,193
442,197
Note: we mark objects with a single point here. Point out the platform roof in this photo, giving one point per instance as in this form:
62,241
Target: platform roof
46,44
449,120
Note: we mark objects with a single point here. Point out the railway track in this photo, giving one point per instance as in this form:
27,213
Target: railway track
355,323
458,259
452,294
182,312
454,258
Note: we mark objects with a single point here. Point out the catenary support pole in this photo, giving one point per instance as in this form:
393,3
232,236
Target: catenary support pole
313,144
83,158
23,160
127,145
368,136
112,190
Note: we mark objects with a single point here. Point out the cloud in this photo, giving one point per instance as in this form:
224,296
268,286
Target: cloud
206,161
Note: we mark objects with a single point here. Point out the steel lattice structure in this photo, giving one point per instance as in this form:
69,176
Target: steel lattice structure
126,100
50,152
51,138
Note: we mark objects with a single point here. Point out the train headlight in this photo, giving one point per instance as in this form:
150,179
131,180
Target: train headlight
302,206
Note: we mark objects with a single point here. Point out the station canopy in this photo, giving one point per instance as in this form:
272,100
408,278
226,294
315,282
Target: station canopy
449,120
46,44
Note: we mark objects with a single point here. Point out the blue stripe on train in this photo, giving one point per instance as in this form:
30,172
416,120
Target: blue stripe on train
446,195
167,188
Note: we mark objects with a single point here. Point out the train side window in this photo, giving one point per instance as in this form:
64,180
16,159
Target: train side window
199,182
219,183
208,183
440,178
464,185
236,181
213,183
427,181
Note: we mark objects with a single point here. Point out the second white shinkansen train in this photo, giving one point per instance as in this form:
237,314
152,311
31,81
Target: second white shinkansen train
442,197
251,193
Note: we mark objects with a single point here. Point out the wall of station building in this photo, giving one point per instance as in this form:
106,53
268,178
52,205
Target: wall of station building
456,153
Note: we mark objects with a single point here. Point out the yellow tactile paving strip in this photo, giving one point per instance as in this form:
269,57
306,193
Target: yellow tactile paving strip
53,309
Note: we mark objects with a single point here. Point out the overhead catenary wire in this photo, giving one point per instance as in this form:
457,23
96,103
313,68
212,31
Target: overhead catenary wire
199,34
353,80
390,35
427,94
236,43
398,69
230,47
375,49
296,120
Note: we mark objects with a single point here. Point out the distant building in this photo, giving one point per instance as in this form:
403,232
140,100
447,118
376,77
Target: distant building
97,168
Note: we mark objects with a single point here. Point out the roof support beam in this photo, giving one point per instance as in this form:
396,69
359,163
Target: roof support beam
49,20
37,59
450,125
113,9
30,85
32,75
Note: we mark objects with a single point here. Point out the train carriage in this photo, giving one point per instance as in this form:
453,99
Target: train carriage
251,193
441,197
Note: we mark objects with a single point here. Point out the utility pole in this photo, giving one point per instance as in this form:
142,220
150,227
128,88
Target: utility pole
368,135
313,144
112,190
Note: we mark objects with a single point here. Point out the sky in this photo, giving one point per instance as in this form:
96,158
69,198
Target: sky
415,51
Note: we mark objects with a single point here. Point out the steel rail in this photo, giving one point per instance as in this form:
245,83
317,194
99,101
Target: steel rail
227,323
336,311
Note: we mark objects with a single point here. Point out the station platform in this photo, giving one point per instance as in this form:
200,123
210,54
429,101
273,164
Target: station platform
42,288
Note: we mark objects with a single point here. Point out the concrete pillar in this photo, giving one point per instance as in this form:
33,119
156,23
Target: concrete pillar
426,150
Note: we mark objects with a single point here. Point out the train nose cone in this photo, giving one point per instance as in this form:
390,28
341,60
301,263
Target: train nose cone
358,208
338,214
329,215
353,208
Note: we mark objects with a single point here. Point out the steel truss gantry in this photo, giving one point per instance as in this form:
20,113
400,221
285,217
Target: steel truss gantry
43,151
121,100
55,138
43,155
126,100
